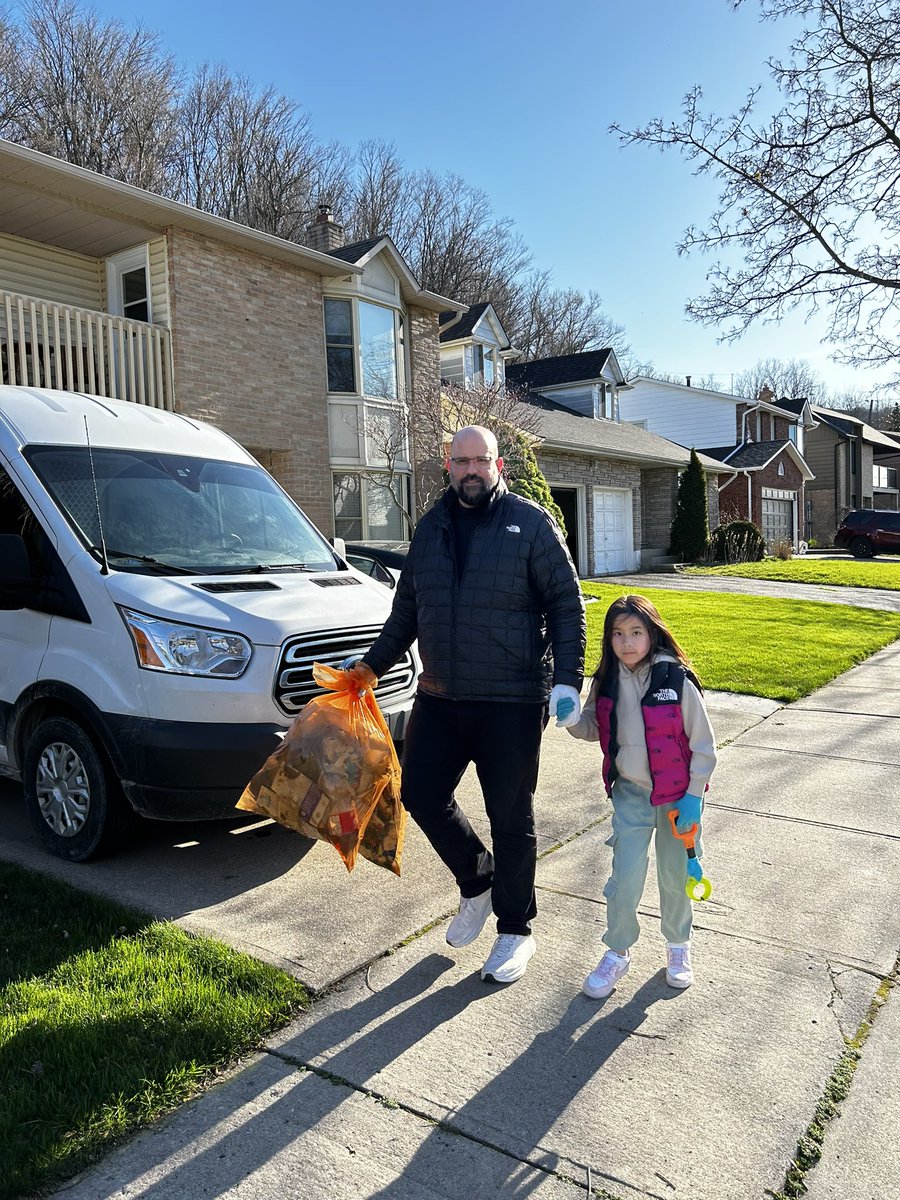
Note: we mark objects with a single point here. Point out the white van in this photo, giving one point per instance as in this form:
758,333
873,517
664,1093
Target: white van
162,601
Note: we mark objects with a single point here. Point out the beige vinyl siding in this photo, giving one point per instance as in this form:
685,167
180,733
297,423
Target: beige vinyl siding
49,273
159,282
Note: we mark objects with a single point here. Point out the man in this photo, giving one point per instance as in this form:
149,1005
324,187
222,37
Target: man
489,590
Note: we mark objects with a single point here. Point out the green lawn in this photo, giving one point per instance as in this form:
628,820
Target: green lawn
840,572
756,645
109,1019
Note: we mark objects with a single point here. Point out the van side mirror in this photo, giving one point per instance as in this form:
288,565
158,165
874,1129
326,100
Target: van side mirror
340,546
16,584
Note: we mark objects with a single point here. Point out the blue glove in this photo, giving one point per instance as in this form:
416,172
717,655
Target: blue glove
694,869
349,663
688,812
565,705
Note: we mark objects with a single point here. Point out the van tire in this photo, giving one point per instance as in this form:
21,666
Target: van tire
67,783
861,547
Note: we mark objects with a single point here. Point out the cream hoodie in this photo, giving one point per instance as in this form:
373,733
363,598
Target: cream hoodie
632,762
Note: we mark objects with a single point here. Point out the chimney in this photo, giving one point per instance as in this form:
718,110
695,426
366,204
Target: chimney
687,381
324,233
766,395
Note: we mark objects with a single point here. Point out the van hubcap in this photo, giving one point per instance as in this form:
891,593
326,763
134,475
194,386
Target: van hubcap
63,789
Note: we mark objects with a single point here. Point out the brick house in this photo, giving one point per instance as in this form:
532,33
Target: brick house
855,466
293,350
615,483
761,443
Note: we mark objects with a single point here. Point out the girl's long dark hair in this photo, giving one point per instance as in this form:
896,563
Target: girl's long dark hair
661,638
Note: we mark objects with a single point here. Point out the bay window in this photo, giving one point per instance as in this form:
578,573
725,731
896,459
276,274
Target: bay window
364,346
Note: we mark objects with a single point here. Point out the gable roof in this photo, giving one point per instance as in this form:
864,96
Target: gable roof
586,367
355,250
753,456
850,426
559,428
360,253
456,325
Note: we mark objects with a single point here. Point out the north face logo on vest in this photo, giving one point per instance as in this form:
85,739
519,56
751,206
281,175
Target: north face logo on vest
665,694
513,529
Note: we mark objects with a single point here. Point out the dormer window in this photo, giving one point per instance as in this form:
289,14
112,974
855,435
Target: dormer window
483,364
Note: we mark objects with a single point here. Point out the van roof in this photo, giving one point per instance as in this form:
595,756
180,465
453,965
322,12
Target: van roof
40,416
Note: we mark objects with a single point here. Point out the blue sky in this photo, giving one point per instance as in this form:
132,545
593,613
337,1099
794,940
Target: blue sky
517,98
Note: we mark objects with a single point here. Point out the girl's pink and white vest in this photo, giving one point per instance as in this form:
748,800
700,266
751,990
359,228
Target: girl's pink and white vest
668,748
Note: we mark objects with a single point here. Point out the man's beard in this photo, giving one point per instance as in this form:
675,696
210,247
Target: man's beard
473,489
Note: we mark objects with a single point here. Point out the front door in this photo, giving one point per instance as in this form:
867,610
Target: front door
612,529
567,499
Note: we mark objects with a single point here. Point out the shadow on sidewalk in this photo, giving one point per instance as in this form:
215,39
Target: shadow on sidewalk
521,1104
511,1114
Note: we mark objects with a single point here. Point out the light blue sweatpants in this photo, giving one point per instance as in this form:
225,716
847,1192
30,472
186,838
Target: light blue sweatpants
634,822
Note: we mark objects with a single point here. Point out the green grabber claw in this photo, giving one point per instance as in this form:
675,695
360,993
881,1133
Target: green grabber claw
687,837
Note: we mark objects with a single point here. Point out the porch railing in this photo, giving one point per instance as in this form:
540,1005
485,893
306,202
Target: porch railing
43,344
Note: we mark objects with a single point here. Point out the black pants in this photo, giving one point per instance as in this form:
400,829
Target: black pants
503,740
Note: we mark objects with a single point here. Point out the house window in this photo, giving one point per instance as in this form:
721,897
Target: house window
339,346
378,350
363,342
781,468
364,346
128,285
368,508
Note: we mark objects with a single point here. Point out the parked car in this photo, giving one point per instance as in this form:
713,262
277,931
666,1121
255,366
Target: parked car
383,562
866,532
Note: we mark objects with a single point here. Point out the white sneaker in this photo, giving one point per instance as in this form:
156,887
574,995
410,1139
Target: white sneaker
607,973
510,956
678,965
469,921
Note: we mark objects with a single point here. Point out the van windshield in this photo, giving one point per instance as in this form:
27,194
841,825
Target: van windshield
169,510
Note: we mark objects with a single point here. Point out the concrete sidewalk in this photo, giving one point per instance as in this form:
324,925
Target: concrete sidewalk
410,1079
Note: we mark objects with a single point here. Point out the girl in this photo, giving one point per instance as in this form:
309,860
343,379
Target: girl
646,709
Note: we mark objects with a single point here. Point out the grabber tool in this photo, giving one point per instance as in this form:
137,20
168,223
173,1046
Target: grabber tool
688,837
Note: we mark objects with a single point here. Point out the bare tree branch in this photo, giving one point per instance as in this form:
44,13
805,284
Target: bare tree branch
810,196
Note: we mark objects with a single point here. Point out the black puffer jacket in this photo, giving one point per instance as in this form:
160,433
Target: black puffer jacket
510,628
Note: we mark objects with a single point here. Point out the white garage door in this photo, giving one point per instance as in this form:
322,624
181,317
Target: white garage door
612,529
778,521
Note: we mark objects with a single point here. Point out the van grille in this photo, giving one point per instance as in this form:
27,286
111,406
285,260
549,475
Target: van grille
294,683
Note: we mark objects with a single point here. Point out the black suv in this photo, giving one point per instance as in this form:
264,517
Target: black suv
866,532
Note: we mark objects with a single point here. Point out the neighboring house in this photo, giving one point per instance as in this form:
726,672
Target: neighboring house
855,467
615,483
474,348
761,442
297,351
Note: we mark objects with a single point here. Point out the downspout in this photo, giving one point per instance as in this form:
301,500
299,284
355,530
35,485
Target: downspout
747,412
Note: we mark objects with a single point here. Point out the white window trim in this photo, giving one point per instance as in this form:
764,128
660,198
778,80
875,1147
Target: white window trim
401,348
365,475
120,264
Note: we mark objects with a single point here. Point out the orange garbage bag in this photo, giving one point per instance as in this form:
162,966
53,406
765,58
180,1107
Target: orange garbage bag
336,776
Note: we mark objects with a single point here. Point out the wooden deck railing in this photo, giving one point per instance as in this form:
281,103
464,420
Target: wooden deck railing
43,344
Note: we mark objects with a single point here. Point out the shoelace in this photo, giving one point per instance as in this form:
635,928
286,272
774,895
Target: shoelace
677,957
505,943
607,969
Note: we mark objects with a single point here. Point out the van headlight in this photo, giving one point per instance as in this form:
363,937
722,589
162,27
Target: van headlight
186,649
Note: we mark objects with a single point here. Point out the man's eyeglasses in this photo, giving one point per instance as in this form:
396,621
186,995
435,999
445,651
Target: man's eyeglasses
480,460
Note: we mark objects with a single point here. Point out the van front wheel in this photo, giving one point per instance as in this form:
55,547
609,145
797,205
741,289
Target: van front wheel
74,802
